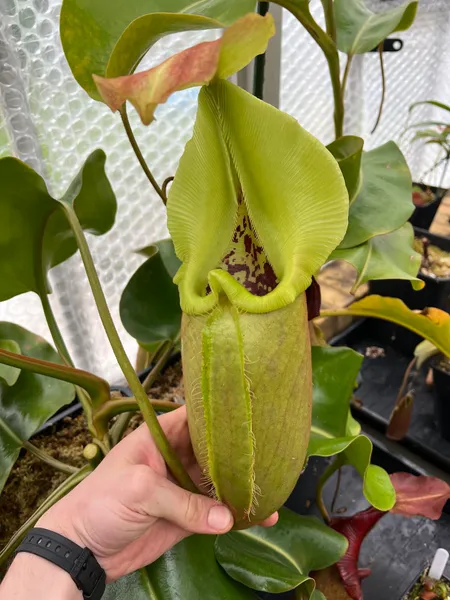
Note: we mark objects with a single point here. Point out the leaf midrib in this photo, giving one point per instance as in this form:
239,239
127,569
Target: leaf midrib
6,428
265,542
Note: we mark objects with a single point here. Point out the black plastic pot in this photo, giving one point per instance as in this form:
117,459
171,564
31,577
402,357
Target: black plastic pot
441,390
381,378
436,293
423,216
416,580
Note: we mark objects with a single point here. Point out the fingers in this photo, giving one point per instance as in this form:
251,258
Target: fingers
191,512
139,447
270,521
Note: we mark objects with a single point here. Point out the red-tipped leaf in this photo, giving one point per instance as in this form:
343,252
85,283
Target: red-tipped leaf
419,496
193,67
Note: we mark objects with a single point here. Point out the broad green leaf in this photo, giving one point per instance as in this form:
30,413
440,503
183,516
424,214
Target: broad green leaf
144,32
150,304
389,256
348,152
189,572
334,376
34,233
385,190
19,417
90,30
9,375
360,30
432,324
280,558
298,207
193,67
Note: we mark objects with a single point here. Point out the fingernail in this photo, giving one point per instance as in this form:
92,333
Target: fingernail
219,518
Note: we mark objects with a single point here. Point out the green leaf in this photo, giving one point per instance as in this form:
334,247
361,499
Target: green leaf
348,152
334,376
432,324
90,30
196,66
9,375
280,558
34,233
150,304
19,417
360,30
430,103
385,190
389,256
143,32
298,207
188,571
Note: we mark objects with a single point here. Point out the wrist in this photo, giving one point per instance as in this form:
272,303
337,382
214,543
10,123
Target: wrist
34,577
63,526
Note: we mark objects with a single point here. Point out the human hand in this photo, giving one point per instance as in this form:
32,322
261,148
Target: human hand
130,511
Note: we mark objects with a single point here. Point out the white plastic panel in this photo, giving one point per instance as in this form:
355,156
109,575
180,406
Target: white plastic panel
419,71
53,125
48,121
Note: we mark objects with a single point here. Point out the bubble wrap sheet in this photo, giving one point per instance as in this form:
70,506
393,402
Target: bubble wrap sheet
50,123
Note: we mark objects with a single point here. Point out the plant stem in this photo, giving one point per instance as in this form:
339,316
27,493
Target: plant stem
331,469
405,381
162,355
159,366
383,87
119,406
139,155
54,329
63,352
330,20
165,185
96,387
302,13
142,359
260,61
148,413
93,455
348,64
67,485
336,492
121,425
58,339
49,460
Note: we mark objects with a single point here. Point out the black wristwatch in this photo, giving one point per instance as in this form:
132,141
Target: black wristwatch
79,562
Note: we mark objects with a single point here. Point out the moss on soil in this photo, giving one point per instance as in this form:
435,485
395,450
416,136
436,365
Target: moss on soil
31,481
435,262
426,589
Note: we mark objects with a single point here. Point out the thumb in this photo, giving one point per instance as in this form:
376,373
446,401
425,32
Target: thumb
192,512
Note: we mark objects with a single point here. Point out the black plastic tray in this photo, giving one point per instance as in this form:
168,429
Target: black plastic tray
380,380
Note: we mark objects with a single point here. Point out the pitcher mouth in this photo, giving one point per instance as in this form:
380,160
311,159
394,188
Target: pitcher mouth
245,259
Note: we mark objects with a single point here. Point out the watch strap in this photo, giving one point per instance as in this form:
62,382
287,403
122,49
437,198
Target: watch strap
79,563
